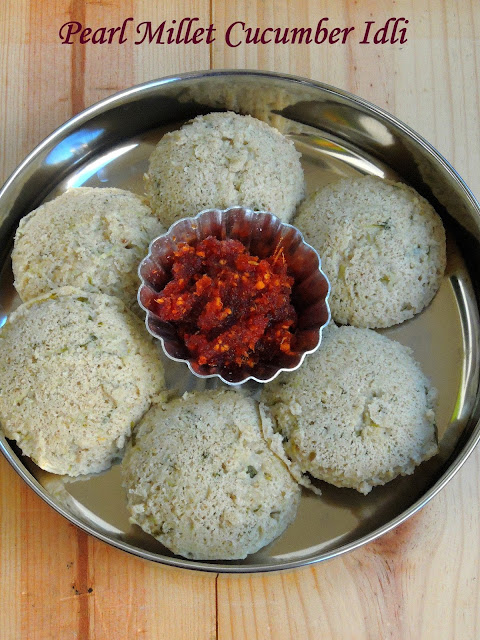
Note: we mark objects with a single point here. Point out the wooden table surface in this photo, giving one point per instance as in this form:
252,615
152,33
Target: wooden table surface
421,580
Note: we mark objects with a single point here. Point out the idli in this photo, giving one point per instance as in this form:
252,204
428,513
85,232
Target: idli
90,238
77,371
358,413
220,160
201,479
382,247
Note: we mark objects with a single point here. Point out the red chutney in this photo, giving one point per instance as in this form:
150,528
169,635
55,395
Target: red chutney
230,308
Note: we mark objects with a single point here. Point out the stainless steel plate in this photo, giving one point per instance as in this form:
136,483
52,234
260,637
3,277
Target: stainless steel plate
338,135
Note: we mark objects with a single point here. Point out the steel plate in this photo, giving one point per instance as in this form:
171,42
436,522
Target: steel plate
338,135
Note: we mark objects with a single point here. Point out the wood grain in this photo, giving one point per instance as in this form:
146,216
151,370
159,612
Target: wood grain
431,83
133,598
151,61
419,581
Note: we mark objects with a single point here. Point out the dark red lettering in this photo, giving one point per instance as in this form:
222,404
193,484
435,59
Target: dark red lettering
186,40
402,32
84,36
158,33
263,39
346,31
68,30
210,36
122,37
99,36
321,34
333,37
281,39
367,31
380,36
229,32
301,33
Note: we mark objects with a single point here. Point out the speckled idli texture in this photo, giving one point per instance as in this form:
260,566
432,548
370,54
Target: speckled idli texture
90,238
220,160
359,412
201,479
77,372
382,247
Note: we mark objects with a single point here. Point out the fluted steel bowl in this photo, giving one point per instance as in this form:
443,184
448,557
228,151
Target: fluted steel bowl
262,234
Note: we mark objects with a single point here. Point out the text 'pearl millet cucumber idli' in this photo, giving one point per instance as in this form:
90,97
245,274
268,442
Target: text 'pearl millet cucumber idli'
220,160
382,247
88,238
358,413
77,371
201,479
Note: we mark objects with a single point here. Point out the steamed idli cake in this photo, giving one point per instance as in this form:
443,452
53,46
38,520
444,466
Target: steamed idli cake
201,479
359,412
382,247
89,238
77,371
220,160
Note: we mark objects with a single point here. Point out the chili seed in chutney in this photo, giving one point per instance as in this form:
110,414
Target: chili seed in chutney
231,308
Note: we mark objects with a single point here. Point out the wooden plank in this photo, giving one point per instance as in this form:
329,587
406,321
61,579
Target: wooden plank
10,551
47,82
51,567
155,61
105,68
13,55
138,599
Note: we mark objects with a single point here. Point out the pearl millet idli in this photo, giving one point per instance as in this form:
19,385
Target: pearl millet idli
358,413
77,372
201,479
382,247
90,238
220,160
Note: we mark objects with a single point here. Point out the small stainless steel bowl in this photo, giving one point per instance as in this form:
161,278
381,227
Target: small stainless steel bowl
262,233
